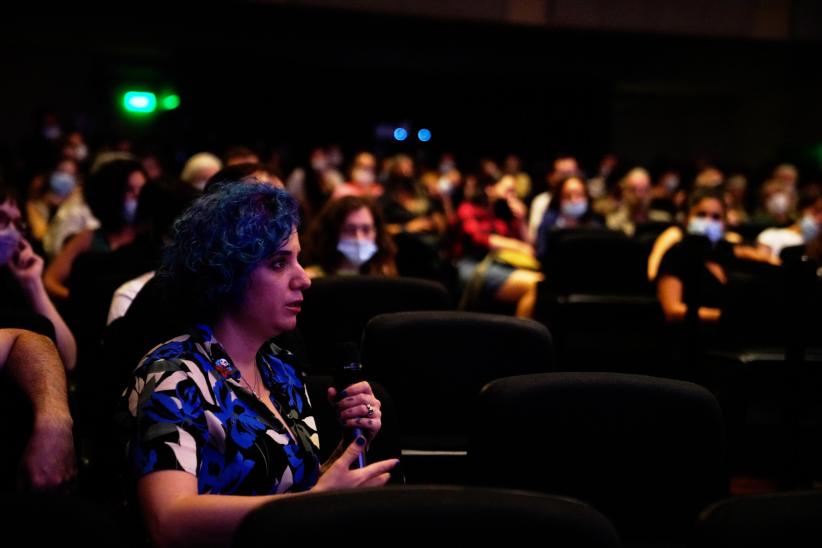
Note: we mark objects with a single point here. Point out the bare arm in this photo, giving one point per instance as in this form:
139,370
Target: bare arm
761,253
32,361
27,267
662,244
177,516
503,242
60,268
669,292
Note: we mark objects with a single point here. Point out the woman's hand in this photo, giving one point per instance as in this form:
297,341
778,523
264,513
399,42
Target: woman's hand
357,407
26,265
339,475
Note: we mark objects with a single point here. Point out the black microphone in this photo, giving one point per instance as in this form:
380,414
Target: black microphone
349,372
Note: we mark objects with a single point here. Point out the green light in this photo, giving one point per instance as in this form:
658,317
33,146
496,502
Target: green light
140,102
170,102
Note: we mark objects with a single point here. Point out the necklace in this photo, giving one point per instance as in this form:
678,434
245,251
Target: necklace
256,383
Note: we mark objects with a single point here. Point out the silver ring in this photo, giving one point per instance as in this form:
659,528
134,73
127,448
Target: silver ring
370,410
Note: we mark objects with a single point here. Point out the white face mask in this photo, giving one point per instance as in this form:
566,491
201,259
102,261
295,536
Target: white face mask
445,185
671,183
358,252
9,244
710,228
778,203
363,176
80,153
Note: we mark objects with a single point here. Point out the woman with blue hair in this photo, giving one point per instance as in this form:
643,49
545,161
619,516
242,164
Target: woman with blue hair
221,410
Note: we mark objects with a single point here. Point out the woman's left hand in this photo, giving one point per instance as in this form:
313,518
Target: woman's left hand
357,407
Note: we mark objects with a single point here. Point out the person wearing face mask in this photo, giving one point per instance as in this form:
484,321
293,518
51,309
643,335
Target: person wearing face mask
46,194
495,263
363,179
777,205
349,237
801,232
21,282
111,193
681,284
571,210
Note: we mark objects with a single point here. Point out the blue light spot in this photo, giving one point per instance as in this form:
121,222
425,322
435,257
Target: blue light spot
424,135
400,134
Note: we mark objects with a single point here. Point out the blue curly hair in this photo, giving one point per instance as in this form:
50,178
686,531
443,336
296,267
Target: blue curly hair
220,240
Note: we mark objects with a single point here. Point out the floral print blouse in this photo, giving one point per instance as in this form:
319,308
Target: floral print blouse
188,409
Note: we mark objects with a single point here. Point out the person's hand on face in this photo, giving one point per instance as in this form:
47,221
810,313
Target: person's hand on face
25,264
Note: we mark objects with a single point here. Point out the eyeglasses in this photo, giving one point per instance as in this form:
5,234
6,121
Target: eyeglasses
6,220
703,214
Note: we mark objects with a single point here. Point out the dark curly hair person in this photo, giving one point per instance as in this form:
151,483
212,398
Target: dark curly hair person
349,237
218,419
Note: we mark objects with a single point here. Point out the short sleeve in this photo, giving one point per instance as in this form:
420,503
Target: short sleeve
673,263
170,427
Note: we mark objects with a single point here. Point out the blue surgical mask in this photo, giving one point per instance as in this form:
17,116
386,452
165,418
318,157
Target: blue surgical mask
9,244
130,211
574,210
808,227
710,228
62,183
358,252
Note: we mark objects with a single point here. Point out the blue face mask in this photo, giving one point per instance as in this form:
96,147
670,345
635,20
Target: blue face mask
62,183
130,211
574,210
710,228
808,227
9,244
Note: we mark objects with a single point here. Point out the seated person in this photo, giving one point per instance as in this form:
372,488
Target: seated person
803,231
32,362
493,257
21,278
111,192
693,272
571,210
349,237
218,419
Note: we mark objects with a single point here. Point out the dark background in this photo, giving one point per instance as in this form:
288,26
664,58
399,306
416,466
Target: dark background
286,76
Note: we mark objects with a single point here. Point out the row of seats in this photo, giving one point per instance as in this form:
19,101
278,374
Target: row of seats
435,515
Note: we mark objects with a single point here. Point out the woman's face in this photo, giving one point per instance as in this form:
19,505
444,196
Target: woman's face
136,182
708,208
573,191
274,294
359,225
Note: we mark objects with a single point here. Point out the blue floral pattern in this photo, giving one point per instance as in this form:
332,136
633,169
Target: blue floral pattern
188,410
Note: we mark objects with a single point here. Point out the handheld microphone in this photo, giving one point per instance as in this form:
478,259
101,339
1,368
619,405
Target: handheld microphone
349,372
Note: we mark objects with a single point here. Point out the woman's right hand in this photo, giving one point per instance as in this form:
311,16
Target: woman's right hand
339,475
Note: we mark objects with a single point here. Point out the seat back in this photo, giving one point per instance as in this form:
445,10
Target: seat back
759,521
647,452
595,261
435,363
418,513
336,309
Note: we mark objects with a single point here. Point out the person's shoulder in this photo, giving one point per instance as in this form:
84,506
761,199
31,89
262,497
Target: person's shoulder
172,351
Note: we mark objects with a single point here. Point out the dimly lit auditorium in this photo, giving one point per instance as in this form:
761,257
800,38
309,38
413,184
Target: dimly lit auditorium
433,271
